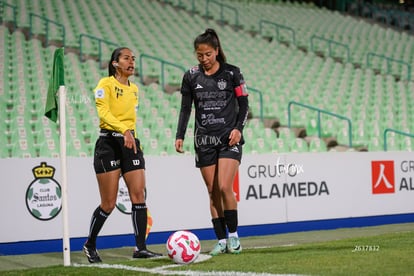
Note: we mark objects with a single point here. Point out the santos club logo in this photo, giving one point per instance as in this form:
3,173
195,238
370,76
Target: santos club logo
383,180
44,194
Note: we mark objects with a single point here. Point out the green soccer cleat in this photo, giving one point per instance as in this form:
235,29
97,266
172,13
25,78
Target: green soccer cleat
219,248
233,245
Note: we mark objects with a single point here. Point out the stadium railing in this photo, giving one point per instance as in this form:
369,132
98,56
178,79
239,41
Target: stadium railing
222,7
389,61
389,130
278,27
163,65
330,43
319,111
47,23
100,43
4,18
260,101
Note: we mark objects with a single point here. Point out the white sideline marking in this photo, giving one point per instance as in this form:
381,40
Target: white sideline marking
163,270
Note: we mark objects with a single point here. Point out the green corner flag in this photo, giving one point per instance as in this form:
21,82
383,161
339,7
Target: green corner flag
57,79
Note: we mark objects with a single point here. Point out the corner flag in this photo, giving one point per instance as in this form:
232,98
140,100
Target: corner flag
57,85
57,79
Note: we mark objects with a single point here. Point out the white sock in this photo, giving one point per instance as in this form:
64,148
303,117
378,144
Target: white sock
223,241
233,235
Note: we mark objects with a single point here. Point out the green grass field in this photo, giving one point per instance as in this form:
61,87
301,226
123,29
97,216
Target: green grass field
379,250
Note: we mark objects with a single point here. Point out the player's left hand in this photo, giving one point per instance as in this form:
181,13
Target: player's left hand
234,138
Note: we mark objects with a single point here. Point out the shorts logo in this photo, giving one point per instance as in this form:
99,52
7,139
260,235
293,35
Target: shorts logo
115,163
135,162
383,181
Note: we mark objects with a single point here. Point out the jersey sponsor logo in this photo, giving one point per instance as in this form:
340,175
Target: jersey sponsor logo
99,93
383,181
206,140
210,119
198,86
222,84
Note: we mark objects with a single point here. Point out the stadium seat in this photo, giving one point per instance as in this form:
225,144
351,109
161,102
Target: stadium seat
280,146
298,145
281,71
317,145
286,134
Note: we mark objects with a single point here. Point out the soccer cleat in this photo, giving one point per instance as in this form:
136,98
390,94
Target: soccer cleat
219,248
91,253
233,245
145,253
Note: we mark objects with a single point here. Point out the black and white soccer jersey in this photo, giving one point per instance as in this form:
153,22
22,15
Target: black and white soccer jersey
220,102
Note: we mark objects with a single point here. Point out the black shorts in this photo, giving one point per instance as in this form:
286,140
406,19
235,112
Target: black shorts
206,156
110,154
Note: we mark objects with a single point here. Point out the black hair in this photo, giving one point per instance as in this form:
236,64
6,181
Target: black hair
114,57
211,38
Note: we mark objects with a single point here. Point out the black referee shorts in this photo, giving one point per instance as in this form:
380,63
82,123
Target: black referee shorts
206,156
110,154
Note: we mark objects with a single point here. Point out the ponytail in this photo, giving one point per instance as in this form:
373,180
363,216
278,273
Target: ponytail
211,38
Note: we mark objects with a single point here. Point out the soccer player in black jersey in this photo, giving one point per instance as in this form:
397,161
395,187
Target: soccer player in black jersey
218,91
118,152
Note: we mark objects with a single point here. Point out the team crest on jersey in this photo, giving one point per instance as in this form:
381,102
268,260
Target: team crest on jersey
222,84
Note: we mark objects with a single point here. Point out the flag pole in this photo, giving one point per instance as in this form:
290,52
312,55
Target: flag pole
62,123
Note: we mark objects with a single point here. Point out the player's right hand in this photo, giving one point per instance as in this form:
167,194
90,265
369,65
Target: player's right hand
129,141
179,145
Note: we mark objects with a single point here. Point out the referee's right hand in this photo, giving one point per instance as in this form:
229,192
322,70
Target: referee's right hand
129,141
179,145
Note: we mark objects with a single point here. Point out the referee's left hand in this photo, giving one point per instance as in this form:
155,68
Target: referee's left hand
234,138
129,141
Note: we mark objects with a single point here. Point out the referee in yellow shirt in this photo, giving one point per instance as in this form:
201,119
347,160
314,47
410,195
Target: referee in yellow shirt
118,152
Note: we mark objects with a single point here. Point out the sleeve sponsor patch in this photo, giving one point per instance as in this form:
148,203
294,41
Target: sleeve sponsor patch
99,93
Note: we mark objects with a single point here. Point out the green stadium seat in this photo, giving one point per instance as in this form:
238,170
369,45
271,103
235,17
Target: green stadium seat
317,145
168,33
286,134
279,145
298,145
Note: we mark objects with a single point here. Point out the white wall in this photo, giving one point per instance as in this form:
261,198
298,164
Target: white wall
326,186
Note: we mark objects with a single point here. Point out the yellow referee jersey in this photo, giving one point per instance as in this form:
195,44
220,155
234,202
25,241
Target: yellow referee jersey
116,105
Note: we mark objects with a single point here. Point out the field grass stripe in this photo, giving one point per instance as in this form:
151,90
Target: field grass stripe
162,271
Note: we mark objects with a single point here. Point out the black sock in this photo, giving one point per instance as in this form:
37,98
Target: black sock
98,219
230,217
219,228
139,223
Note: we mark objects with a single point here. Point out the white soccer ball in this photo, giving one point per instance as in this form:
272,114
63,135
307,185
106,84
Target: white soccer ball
183,247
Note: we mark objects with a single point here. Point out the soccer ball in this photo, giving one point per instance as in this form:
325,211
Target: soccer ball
183,247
